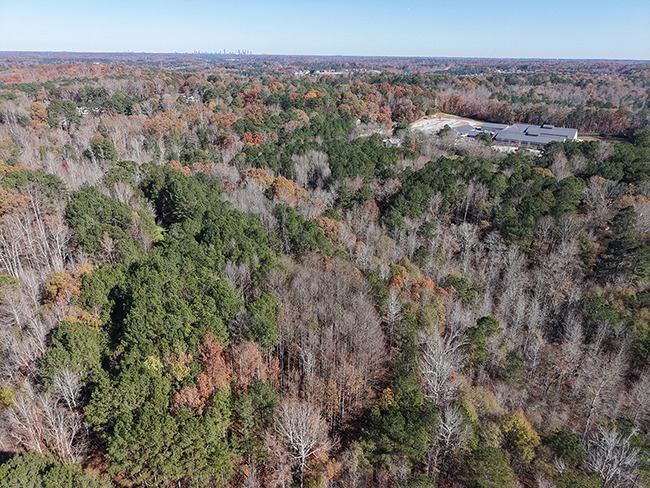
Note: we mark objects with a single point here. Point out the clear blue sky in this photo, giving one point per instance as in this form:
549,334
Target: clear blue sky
500,28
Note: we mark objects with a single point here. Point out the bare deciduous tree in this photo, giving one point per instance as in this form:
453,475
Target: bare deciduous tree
641,396
38,422
331,336
613,457
451,438
393,314
239,275
303,430
312,169
63,428
439,361
23,333
67,386
599,384
23,420
452,432
443,354
600,196
250,198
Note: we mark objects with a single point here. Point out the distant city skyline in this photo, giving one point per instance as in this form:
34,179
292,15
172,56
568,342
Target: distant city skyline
503,29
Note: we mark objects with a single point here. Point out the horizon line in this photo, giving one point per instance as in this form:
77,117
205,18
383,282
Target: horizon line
387,56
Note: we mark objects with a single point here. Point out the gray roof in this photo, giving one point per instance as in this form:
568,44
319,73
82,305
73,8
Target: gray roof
467,130
517,136
523,133
534,131
492,127
553,131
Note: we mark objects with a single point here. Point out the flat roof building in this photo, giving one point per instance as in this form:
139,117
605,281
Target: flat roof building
491,127
467,130
520,134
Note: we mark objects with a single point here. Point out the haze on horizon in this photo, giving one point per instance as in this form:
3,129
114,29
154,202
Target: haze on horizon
578,29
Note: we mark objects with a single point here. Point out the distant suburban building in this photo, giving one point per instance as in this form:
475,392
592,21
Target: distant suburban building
520,135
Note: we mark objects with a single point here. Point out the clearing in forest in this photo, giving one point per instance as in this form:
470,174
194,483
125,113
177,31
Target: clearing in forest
433,123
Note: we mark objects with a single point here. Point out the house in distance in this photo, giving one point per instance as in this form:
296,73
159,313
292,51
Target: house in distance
519,135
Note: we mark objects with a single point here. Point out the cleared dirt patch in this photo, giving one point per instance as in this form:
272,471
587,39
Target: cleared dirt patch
433,123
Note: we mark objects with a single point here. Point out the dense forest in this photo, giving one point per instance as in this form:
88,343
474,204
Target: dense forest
215,272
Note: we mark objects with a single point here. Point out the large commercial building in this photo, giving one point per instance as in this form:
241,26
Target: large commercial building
520,135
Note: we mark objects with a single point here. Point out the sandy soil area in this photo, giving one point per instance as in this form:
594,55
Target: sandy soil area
433,123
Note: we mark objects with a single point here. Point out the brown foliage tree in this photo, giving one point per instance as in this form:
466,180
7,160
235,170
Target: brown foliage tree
216,374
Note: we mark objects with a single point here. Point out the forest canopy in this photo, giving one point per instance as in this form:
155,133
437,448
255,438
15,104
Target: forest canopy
258,273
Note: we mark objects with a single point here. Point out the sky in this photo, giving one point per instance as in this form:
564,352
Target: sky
594,29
